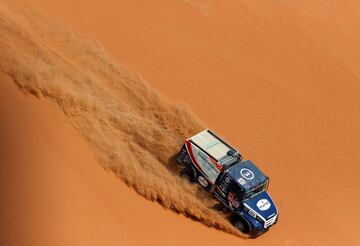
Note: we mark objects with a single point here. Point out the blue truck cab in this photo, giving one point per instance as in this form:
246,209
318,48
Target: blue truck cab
239,185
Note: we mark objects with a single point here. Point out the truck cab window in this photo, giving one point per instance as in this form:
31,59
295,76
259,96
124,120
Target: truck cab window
255,191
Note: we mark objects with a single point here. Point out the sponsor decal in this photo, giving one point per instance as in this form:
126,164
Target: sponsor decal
222,187
247,173
232,199
241,181
221,192
192,152
235,203
271,215
263,204
203,181
227,180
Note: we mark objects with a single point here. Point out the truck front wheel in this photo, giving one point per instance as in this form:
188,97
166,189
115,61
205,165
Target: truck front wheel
241,225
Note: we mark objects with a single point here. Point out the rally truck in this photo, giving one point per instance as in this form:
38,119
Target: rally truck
239,186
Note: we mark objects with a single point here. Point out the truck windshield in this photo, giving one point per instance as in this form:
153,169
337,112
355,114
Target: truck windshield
256,191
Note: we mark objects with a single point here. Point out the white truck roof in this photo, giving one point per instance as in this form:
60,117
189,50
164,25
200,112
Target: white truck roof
212,144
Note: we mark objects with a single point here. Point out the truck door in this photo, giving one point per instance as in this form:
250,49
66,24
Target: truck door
227,192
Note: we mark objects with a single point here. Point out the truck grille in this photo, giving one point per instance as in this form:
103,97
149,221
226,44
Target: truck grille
270,221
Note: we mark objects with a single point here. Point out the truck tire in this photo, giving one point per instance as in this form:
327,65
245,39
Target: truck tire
240,224
188,174
185,175
181,156
220,207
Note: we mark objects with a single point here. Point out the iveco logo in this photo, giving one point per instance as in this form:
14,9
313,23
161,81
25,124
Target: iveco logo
263,204
247,174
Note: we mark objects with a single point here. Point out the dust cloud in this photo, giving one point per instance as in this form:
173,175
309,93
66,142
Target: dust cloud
134,130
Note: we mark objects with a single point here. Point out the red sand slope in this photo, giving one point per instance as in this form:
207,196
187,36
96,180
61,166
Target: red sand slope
280,80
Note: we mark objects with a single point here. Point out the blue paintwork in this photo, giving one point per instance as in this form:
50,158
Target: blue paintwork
255,225
239,171
266,214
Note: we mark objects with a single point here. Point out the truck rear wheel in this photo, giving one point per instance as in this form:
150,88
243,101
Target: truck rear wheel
185,176
180,157
188,174
219,207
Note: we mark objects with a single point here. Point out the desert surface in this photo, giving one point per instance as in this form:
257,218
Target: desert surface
97,96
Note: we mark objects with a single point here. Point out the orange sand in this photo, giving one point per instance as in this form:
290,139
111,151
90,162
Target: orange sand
279,80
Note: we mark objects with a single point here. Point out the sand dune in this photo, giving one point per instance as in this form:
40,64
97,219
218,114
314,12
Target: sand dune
54,192
134,130
279,79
